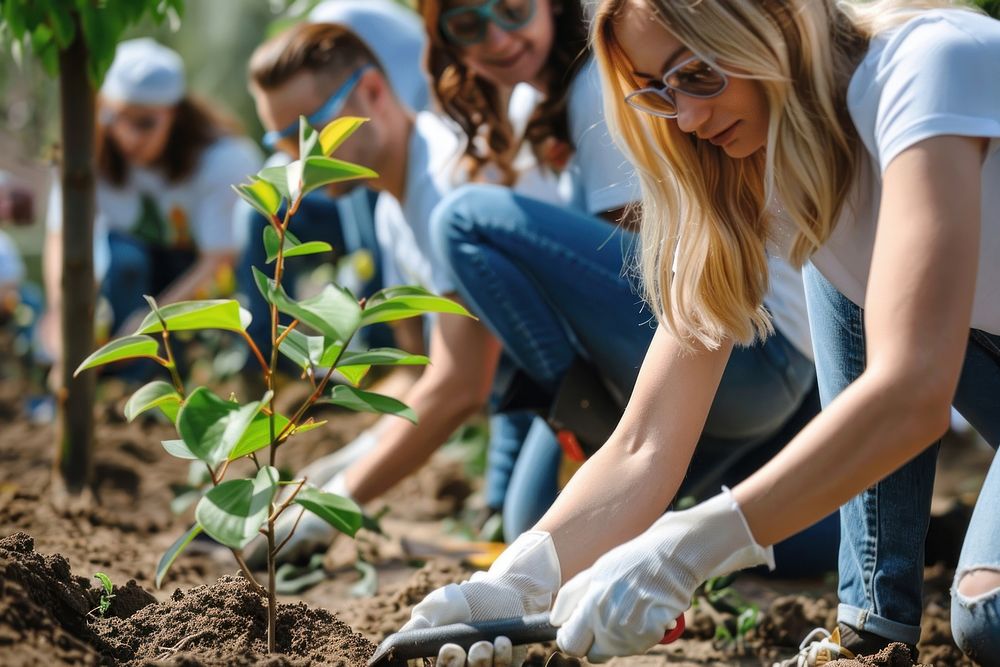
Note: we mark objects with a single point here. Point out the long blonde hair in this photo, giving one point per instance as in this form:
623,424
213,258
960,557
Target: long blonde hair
705,216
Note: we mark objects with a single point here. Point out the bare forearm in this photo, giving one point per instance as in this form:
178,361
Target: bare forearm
404,447
869,431
633,478
623,503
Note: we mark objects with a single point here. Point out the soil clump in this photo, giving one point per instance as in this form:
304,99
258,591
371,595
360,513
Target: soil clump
49,616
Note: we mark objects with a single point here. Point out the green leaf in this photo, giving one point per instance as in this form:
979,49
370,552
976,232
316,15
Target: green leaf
337,131
258,435
278,178
223,314
308,425
317,171
262,195
309,143
366,401
341,513
179,449
399,303
292,246
333,312
168,558
304,350
212,427
129,347
232,512
354,366
156,394
383,356
105,580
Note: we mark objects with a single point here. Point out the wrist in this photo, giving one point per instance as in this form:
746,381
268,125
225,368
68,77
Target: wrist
530,565
746,551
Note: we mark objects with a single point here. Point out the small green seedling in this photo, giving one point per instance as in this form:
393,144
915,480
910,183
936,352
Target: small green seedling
720,598
107,593
215,432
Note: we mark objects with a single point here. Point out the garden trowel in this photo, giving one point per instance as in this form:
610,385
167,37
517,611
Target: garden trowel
425,643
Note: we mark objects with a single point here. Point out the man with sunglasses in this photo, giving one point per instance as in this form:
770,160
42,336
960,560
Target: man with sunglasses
345,222
329,68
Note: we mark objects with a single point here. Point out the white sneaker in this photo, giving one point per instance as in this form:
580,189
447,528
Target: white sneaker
818,648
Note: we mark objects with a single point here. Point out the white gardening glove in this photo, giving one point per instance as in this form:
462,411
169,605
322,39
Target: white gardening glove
625,602
523,580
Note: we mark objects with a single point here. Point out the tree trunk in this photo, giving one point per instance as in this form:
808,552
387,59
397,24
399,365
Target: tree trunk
75,428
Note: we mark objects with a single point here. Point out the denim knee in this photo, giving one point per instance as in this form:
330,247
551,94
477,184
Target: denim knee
975,624
454,218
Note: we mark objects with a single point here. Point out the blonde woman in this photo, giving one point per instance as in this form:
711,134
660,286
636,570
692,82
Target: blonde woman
861,137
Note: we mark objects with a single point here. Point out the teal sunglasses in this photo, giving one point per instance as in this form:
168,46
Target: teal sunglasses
467,26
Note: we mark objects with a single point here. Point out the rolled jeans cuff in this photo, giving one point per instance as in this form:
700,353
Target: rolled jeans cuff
865,620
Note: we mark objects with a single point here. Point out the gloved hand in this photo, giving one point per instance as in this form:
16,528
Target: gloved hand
523,580
623,604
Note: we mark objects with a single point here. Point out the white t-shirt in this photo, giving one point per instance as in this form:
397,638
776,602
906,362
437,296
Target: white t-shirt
197,212
938,74
11,266
598,178
403,228
394,34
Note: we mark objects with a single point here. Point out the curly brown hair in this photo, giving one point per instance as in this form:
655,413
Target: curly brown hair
478,107
196,126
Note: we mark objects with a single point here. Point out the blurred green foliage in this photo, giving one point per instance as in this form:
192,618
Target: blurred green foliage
992,7
50,26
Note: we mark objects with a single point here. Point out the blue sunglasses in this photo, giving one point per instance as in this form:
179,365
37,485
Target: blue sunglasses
319,117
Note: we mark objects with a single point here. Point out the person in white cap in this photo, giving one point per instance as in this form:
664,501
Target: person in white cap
165,209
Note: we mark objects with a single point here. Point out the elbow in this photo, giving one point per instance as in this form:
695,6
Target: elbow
919,401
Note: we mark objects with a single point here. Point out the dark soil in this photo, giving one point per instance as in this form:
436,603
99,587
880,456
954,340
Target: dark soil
49,616
226,624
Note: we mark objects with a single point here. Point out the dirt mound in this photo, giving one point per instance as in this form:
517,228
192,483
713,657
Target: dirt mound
226,623
43,608
893,655
48,616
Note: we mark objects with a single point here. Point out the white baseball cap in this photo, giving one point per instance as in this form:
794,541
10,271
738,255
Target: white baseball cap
145,72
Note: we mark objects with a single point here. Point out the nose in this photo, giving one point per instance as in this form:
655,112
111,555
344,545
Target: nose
496,37
692,112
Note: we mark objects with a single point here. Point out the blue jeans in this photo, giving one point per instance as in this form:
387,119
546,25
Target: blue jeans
550,283
884,527
318,218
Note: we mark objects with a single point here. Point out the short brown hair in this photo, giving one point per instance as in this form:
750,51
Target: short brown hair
323,49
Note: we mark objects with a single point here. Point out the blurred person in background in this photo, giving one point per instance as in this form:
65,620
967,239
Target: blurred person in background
165,210
415,156
346,222
16,207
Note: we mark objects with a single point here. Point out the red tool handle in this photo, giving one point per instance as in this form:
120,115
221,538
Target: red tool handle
674,633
